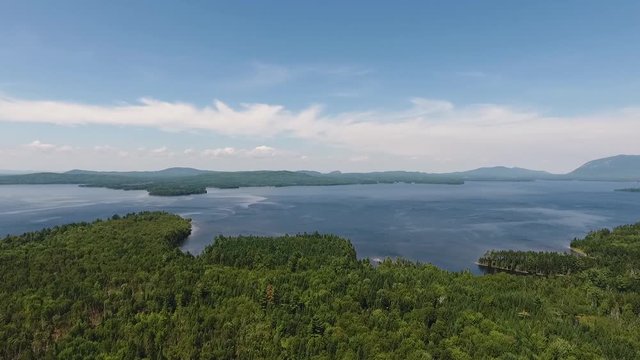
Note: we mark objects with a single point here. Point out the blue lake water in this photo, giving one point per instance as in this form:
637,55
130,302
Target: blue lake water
449,226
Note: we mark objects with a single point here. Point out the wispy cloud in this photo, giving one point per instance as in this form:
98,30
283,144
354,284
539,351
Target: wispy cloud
48,156
257,152
345,94
38,145
44,147
428,129
227,151
265,75
262,151
160,150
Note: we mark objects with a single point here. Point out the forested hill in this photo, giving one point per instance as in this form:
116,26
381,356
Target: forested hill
504,173
121,289
620,167
185,181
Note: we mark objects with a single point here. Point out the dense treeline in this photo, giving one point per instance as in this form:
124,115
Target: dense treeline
121,289
617,254
175,190
533,262
300,252
184,181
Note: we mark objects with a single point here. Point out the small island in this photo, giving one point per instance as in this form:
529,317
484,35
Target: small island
629,190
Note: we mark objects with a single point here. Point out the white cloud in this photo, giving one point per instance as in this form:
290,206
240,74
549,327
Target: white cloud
103,148
429,106
38,145
227,151
432,130
262,151
257,152
44,147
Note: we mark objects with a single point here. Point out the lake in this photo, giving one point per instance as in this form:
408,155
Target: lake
447,225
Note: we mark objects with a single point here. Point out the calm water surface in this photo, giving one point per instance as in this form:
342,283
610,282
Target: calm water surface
449,226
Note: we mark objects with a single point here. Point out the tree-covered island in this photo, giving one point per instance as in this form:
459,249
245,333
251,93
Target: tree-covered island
187,181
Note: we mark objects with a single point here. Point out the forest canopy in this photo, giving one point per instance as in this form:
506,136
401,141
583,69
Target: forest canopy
122,289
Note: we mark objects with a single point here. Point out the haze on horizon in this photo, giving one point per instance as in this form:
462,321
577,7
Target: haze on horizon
362,86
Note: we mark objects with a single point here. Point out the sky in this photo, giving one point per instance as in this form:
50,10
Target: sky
430,86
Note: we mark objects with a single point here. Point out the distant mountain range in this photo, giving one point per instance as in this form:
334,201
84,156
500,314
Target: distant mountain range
621,167
170,172
614,168
15,172
184,181
503,173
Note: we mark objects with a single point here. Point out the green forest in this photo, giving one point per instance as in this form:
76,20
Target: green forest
535,263
122,289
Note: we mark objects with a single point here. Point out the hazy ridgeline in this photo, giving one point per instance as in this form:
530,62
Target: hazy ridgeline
185,181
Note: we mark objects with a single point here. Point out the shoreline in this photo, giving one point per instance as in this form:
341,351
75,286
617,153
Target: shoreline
522,272
578,251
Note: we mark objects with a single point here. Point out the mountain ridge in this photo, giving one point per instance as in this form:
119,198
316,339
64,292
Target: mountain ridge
175,181
503,172
618,167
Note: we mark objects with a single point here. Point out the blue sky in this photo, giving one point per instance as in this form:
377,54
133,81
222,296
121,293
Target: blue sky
416,85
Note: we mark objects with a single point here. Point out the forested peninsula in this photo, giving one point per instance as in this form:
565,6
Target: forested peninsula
122,289
187,181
